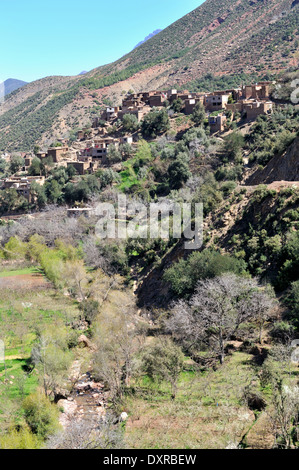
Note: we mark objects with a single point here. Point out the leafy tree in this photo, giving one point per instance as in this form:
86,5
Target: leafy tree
53,190
38,194
20,439
16,164
154,123
184,275
52,359
36,149
113,155
233,144
126,150
177,105
90,309
199,114
178,172
292,301
3,165
163,361
35,167
143,154
11,201
130,123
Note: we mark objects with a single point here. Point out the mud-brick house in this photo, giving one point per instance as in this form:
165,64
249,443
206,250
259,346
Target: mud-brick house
217,123
191,103
110,113
171,94
255,108
216,102
99,148
57,153
23,184
258,91
138,111
27,162
126,139
80,135
84,165
157,99
41,155
79,212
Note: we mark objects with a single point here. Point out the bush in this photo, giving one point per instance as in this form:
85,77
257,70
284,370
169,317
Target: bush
233,144
130,123
282,331
292,301
40,415
184,275
22,439
178,172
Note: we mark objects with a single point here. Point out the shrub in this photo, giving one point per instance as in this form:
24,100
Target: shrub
184,275
22,439
40,415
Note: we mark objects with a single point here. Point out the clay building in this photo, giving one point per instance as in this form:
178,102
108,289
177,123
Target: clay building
255,108
99,148
23,184
216,102
57,153
84,165
217,123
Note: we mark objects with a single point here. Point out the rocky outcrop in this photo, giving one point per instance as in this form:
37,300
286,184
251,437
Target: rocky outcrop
281,168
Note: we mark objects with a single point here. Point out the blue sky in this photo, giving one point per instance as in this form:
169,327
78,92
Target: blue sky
64,37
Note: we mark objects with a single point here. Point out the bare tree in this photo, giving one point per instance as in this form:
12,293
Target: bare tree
285,413
216,311
262,305
52,359
116,336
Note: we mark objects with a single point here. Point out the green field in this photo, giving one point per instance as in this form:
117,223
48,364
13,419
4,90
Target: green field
19,272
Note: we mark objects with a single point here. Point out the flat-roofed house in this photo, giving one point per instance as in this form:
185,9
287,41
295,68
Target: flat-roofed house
217,123
57,153
216,102
23,184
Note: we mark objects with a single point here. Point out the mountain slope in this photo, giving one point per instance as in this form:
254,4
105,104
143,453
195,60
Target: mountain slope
221,37
12,84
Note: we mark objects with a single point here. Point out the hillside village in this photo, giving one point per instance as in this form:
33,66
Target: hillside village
178,326
90,151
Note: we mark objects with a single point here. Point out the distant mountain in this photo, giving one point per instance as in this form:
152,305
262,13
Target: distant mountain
12,84
157,31
83,73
